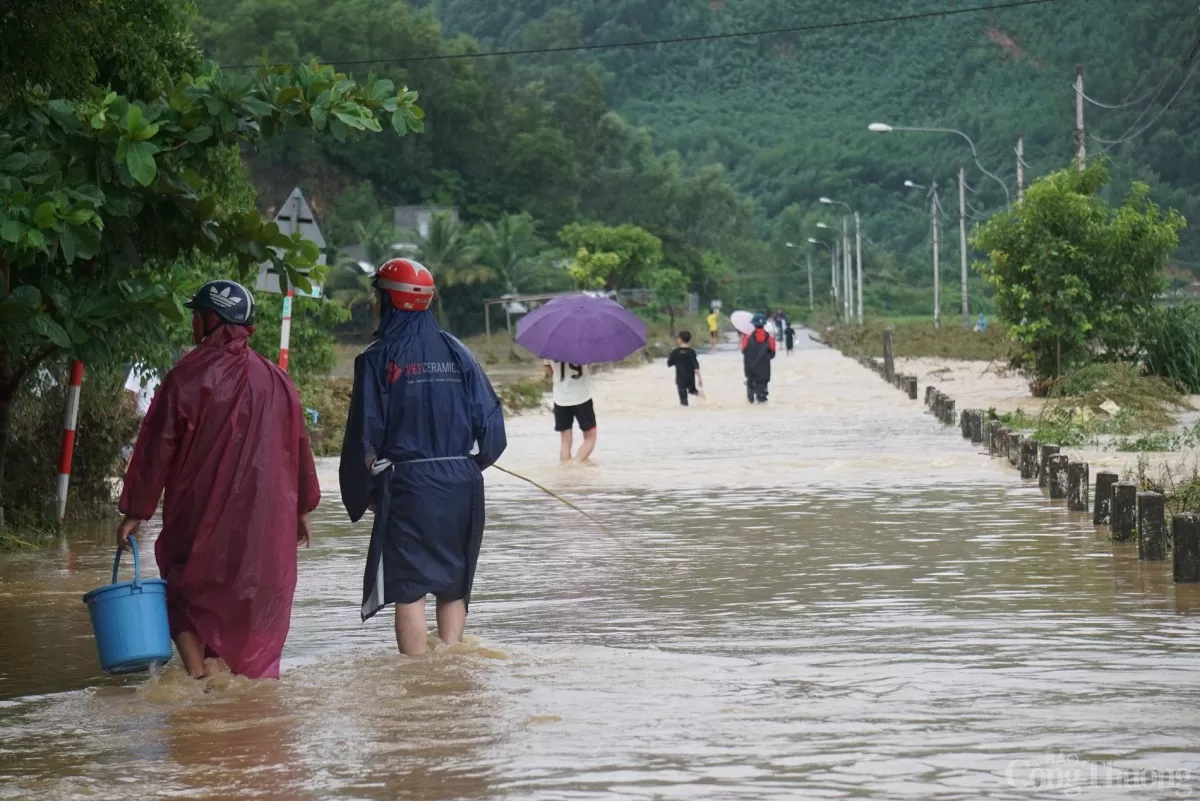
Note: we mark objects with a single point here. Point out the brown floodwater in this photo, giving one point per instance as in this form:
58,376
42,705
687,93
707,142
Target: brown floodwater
830,596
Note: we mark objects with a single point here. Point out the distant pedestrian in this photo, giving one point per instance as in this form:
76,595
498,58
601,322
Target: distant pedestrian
781,323
758,349
573,404
714,328
981,323
687,368
789,335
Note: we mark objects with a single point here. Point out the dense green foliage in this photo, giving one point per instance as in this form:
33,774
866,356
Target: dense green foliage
519,154
1171,345
108,420
787,114
1071,273
121,183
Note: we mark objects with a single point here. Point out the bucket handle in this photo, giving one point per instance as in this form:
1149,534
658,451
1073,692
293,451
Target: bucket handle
137,563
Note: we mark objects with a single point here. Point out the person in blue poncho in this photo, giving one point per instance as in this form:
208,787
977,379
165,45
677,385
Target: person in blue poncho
424,423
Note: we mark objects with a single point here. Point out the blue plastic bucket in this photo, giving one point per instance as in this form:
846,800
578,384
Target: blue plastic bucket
129,620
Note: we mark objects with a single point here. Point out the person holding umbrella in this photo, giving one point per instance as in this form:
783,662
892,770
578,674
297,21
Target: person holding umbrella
572,332
573,404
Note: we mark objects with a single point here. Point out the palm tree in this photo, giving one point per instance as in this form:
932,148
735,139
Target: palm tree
447,253
512,250
349,281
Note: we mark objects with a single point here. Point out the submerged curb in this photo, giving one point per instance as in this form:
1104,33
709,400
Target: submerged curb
1129,515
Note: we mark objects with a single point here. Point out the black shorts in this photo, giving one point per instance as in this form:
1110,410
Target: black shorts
566,416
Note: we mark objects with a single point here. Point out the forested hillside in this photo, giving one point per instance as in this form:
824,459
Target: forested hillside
745,133
788,113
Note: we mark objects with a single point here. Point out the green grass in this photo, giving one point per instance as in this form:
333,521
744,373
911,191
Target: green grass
916,338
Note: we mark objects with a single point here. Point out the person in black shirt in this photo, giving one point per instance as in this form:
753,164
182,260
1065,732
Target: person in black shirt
687,368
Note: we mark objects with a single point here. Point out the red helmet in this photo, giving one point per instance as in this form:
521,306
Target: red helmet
407,282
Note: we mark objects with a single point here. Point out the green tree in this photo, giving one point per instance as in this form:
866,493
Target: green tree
1069,271
447,252
636,252
513,252
670,292
310,343
101,195
349,284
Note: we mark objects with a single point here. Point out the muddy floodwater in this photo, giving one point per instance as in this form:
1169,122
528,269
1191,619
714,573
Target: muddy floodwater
830,596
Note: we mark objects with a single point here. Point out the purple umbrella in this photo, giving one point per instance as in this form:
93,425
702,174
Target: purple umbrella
582,329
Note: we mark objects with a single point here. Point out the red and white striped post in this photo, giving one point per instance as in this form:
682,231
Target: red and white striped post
70,417
285,330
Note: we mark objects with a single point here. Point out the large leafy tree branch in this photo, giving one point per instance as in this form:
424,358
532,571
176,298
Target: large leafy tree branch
101,197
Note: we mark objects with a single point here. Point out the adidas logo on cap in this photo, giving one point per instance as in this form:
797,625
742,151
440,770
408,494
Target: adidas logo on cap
222,298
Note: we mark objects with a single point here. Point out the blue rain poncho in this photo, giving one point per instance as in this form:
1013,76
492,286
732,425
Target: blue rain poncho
424,413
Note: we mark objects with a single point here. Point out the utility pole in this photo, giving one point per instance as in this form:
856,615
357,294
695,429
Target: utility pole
847,269
833,276
962,242
1080,132
858,259
937,268
1020,167
808,255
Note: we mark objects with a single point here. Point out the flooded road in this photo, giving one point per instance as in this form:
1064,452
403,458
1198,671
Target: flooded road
830,596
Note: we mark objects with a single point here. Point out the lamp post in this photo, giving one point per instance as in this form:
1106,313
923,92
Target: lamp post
880,127
842,280
808,259
832,263
850,299
935,220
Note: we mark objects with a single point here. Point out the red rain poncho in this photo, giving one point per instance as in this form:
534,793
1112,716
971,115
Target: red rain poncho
225,437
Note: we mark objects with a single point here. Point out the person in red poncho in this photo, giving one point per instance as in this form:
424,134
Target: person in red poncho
225,437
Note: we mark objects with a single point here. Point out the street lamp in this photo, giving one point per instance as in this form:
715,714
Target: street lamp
833,282
880,127
808,259
935,220
857,255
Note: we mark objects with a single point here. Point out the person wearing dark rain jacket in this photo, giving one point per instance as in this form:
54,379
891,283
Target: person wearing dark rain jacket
758,349
424,423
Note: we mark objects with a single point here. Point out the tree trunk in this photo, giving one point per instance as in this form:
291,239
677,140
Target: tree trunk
671,322
7,390
6,400
441,311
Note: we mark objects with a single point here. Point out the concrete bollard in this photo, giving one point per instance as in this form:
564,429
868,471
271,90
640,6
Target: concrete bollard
964,423
999,440
1123,525
994,439
1185,541
977,426
912,387
1057,466
1152,527
948,412
1044,454
1105,480
1078,486
1015,441
928,395
1028,464
936,404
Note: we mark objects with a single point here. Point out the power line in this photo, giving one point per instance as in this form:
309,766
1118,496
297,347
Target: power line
716,37
1131,134
1187,56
